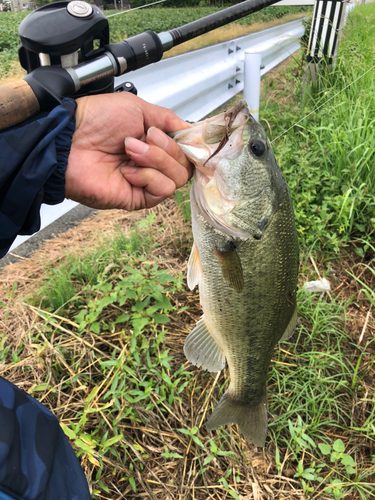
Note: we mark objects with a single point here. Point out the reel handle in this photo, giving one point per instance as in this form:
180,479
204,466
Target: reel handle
17,103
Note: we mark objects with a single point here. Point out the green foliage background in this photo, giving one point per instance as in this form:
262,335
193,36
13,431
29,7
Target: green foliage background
328,158
106,353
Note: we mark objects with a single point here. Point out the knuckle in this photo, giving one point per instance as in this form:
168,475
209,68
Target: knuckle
169,187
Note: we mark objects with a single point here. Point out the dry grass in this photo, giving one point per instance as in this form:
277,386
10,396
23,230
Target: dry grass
64,354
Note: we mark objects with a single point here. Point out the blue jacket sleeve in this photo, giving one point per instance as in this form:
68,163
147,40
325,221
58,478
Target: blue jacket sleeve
33,159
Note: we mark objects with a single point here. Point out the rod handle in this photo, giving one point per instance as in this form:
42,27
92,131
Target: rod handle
17,103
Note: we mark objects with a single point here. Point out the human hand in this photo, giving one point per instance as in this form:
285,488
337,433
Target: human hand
102,174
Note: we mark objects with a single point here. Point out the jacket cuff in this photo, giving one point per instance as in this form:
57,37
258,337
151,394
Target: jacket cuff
54,188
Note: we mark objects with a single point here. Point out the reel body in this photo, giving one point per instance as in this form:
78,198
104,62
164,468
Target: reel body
64,35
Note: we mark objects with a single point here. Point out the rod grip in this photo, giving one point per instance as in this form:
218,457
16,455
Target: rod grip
17,103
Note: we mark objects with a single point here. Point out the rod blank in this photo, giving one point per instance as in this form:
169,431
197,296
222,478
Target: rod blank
213,21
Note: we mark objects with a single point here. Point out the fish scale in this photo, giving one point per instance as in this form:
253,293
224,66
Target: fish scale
245,262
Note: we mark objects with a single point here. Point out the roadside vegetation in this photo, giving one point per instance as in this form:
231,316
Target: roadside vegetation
328,158
98,336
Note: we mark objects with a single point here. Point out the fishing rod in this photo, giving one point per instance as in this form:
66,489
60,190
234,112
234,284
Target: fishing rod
66,52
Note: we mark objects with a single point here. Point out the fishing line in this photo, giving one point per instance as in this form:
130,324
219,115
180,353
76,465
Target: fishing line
324,103
136,8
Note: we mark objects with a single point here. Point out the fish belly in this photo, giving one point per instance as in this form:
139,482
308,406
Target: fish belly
246,324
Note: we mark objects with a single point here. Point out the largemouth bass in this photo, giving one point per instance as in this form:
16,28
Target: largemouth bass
244,260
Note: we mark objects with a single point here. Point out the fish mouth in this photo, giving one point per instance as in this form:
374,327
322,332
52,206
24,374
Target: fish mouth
216,137
209,145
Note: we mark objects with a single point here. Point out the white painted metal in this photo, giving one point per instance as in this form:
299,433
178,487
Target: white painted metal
196,83
251,91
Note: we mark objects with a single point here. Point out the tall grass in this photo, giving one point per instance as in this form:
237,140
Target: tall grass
329,158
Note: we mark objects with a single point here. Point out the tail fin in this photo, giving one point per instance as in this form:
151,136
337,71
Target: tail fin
251,418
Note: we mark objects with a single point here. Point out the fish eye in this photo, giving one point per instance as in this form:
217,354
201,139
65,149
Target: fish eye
257,147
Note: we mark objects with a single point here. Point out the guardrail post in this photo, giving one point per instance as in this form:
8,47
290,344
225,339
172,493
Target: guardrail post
251,88
325,34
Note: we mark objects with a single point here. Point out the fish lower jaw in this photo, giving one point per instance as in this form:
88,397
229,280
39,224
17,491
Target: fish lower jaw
211,199
202,175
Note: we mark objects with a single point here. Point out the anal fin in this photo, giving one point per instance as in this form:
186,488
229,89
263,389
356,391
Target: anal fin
201,349
290,328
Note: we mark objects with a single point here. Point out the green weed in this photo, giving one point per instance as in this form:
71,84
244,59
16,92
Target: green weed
134,379
104,351
64,285
328,158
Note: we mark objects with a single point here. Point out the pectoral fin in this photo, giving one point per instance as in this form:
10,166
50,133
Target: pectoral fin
231,269
193,268
200,349
290,328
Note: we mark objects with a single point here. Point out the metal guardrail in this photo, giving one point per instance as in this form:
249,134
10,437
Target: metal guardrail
196,83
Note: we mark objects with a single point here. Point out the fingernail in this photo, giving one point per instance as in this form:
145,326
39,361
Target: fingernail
157,137
134,146
128,170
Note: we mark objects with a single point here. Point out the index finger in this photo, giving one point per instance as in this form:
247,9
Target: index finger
162,118
161,140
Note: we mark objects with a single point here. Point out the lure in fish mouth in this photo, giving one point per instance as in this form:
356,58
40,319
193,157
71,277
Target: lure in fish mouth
244,260
207,138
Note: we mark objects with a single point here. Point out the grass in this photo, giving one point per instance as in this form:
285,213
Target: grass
98,338
99,341
328,157
65,283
